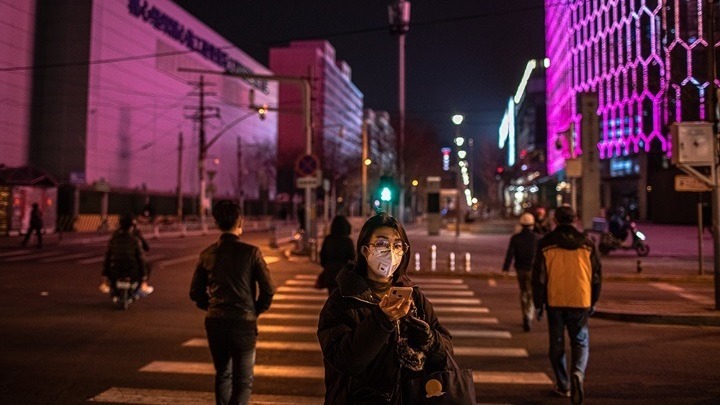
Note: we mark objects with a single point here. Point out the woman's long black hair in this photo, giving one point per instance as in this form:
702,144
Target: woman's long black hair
380,220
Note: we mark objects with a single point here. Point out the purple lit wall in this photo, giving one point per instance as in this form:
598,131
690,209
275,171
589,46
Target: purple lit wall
138,104
17,27
614,48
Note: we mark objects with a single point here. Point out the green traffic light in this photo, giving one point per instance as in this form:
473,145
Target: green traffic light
386,194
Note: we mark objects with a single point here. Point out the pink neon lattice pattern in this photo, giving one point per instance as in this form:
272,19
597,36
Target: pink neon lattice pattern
612,47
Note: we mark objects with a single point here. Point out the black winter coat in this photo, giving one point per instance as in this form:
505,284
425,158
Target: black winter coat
358,342
522,250
232,281
336,252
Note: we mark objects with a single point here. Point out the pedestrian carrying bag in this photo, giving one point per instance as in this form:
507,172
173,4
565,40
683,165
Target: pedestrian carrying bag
452,386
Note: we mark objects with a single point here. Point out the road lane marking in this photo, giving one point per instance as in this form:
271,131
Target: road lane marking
484,334
467,351
318,373
32,256
287,329
428,292
183,367
16,253
681,292
121,395
510,377
271,259
300,282
67,257
472,321
312,277
265,345
434,280
314,307
441,309
289,317
298,297
455,301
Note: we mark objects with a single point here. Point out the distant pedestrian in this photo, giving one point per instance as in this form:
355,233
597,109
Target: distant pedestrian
566,281
522,250
36,225
336,252
542,223
232,283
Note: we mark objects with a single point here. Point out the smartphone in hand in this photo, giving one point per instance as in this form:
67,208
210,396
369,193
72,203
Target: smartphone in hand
396,293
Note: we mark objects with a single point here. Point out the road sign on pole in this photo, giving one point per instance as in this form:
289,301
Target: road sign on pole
307,182
690,183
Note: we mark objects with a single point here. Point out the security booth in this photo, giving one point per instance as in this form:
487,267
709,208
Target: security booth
20,188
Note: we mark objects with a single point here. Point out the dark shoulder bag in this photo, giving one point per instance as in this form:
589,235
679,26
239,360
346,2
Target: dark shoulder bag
452,386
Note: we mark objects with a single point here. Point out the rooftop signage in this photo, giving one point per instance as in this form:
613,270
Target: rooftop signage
185,36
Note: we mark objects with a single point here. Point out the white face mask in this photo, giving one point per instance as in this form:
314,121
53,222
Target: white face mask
383,264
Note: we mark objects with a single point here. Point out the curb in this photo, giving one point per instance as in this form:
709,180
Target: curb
687,320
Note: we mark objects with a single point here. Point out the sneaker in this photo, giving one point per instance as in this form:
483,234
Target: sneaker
578,393
146,290
562,392
104,287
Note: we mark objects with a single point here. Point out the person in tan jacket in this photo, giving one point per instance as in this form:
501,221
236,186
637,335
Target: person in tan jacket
566,280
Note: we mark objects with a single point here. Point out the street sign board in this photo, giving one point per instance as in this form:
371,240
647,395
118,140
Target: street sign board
307,165
690,183
307,182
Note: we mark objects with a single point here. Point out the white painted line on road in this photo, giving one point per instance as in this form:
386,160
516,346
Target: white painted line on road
287,329
314,307
440,309
308,290
144,396
435,286
681,292
289,317
509,377
473,321
298,297
185,367
485,334
300,282
490,351
312,277
444,293
67,257
178,260
318,373
271,259
469,351
492,282
32,256
93,260
16,253
438,280
456,301
266,345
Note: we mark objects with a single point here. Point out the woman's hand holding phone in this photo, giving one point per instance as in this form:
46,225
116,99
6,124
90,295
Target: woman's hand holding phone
397,304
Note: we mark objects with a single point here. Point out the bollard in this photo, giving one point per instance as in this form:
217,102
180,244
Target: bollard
639,266
417,261
451,262
313,249
433,258
273,237
467,262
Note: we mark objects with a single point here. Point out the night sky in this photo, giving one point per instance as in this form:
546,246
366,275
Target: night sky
462,56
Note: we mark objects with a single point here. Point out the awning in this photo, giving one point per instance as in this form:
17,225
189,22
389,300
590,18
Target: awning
25,176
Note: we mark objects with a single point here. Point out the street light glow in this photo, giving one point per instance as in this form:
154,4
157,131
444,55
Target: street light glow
457,119
367,162
415,183
459,141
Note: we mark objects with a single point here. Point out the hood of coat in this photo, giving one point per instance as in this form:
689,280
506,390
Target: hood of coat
568,237
353,283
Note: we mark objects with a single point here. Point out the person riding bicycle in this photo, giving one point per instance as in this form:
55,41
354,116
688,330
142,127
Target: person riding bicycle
125,257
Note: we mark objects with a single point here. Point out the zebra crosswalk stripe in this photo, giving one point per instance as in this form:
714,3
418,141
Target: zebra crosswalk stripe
120,395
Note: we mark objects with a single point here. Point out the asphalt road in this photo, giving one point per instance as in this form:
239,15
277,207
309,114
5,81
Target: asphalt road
63,343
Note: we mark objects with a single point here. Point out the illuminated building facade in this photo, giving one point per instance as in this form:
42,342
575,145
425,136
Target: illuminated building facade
522,134
100,104
647,62
337,113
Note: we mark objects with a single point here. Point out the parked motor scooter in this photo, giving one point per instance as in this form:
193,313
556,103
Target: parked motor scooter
608,242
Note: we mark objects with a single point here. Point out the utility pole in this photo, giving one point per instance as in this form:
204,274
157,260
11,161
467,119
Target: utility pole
364,202
179,177
240,173
399,16
712,117
200,116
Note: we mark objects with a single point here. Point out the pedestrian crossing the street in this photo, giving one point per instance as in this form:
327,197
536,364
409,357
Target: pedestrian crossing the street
290,326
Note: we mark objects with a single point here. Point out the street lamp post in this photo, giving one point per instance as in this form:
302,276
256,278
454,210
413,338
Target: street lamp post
364,166
399,16
457,119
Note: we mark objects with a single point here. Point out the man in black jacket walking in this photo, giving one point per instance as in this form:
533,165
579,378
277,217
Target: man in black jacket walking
232,283
522,250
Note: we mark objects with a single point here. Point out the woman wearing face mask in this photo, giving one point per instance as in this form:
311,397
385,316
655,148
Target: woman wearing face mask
370,346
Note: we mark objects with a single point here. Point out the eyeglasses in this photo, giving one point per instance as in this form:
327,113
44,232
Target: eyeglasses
385,245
